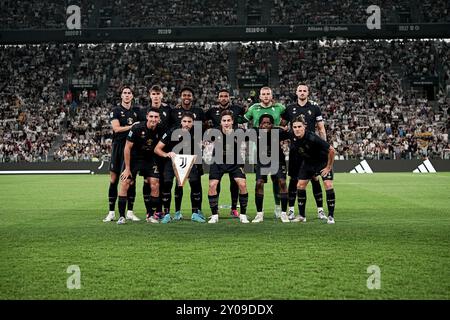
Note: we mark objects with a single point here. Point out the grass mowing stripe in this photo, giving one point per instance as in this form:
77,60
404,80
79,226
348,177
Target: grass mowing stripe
399,222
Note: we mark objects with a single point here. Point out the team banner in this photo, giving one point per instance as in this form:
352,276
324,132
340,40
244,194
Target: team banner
182,165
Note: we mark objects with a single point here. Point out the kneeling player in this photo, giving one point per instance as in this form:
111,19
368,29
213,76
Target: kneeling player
139,158
266,123
235,170
318,159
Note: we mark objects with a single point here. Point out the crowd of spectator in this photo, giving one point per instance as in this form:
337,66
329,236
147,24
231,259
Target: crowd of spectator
27,131
358,84
93,63
254,59
142,13
176,13
49,14
88,135
31,81
334,12
436,11
367,112
201,66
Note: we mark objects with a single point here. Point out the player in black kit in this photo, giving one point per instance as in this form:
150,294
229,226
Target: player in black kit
313,117
164,149
123,117
156,101
213,115
187,104
278,176
318,159
229,147
139,157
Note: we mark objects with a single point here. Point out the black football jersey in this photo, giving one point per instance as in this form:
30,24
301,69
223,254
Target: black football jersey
141,113
310,110
164,116
311,148
126,117
170,144
214,113
144,140
230,149
177,113
266,146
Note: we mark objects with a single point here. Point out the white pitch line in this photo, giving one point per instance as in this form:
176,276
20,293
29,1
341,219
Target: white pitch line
44,171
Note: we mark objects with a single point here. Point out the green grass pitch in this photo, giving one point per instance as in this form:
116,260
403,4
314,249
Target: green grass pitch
398,222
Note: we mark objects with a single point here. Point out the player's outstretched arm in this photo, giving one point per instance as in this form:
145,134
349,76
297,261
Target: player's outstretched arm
160,152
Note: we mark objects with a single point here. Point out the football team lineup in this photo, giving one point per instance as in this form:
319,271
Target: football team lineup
150,147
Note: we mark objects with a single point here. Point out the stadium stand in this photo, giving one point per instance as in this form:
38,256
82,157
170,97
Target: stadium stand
176,13
138,14
371,110
55,98
337,12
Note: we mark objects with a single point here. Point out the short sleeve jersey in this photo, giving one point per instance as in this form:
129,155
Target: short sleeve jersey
126,117
177,113
257,110
170,144
144,140
214,114
266,146
311,148
310,110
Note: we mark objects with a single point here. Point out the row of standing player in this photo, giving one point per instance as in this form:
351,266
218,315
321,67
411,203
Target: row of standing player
125,117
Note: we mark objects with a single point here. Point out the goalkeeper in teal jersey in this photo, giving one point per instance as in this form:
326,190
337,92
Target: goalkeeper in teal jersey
254,112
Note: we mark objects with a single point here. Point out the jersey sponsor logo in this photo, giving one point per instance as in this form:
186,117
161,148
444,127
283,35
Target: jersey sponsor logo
130,134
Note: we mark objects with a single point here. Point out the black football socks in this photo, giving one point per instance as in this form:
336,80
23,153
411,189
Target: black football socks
301,194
